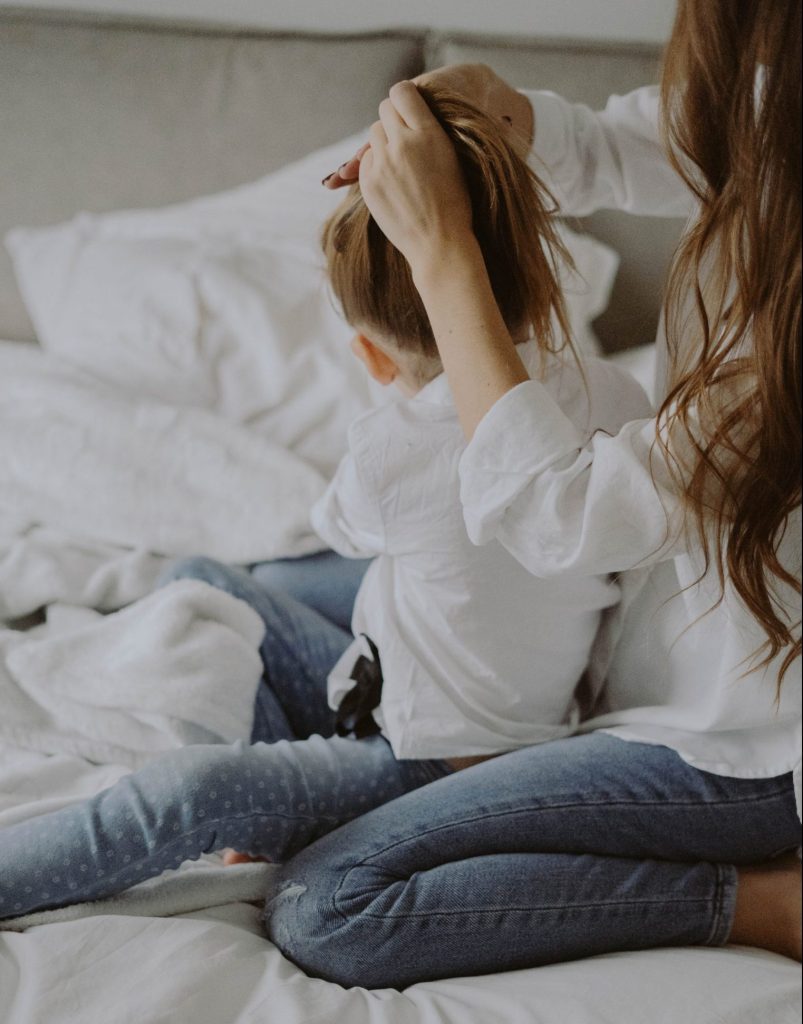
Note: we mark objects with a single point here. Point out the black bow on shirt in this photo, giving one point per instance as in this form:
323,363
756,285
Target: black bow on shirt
354,717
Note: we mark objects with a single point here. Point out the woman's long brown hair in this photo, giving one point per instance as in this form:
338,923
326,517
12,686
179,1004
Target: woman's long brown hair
731,94
512,214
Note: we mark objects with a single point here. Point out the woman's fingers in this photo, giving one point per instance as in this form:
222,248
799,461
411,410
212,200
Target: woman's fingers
377,136
403,109
391,119
347,173
410,105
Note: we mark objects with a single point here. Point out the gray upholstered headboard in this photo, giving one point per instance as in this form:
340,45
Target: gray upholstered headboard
100,114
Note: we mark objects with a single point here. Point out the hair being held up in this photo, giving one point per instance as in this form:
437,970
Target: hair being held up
512,218
732,102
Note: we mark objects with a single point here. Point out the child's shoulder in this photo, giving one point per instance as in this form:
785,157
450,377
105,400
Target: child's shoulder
404,434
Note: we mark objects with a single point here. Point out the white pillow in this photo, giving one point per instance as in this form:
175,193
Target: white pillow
220,303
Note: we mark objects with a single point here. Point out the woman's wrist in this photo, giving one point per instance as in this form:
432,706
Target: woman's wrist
474,343
443,261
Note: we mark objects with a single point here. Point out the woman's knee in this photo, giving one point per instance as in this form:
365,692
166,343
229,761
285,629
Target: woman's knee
342,943
308,931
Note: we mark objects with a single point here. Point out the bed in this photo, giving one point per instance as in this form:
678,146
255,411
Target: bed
175,381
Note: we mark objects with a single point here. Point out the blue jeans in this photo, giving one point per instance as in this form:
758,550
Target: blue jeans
576,847
267,799
326,582
304,634
564,850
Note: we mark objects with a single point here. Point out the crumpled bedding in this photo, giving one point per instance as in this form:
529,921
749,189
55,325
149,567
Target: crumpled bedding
180,666
98,488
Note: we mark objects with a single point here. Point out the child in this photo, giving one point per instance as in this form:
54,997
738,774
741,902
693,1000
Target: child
458,652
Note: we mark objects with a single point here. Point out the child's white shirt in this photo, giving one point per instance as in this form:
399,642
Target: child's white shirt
478,655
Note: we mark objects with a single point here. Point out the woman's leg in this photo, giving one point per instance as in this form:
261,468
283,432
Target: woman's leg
325,581
299,648
768,906
268,799
554,852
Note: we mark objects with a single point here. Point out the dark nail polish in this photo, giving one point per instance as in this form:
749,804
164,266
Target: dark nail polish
328,176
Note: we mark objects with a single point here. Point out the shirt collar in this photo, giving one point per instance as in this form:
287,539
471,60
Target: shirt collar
435,392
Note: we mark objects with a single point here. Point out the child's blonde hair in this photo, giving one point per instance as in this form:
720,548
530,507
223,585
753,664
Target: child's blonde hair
512,219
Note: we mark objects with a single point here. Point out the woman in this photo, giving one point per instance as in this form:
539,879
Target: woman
667,822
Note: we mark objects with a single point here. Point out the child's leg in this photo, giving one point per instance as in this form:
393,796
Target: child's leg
299,648
325,581
266,799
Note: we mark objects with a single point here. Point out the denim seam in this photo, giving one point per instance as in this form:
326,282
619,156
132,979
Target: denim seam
629,905
724,905
551,807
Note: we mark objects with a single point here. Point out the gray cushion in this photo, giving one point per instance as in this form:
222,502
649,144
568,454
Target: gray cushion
589,73
101,115
582,72
109,116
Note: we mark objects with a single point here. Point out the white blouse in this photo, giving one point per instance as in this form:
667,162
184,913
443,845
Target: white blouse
478,655
677,662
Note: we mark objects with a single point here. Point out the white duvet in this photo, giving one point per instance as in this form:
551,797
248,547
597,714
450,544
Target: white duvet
191,395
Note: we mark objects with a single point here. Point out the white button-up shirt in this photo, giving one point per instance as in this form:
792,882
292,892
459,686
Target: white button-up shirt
478,655
678,662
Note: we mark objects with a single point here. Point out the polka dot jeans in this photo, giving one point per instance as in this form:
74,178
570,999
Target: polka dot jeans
265,799
294,783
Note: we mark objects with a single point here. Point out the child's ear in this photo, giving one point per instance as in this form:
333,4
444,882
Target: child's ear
376,360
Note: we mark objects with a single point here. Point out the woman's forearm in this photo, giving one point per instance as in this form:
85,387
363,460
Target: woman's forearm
477,351
413,185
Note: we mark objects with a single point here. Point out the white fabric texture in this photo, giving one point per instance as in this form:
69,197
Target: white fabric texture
678,663
100,463
478,655
41,566
609,159
180,666
199,885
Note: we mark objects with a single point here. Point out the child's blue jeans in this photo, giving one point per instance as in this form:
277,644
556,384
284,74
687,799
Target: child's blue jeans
563,850
292,784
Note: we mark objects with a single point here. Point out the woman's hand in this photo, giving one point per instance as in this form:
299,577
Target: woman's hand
482,87
411,180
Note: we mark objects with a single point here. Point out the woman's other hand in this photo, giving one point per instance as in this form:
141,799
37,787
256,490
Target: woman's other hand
347,173
482,87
